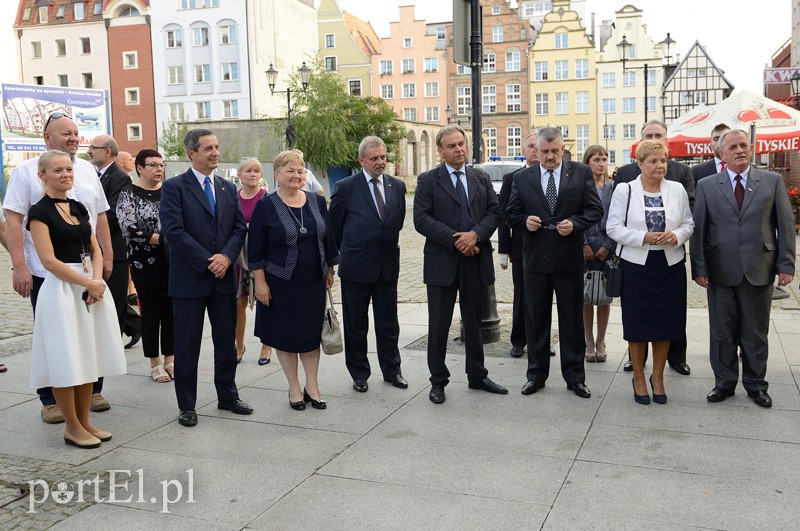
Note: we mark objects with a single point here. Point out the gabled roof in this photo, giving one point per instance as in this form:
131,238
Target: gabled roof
363,34
705,53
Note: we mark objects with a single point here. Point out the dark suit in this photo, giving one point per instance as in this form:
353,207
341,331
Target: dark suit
681,173
706,169
370,253
194,234
554,263
510,242
114,180
741,252
447,272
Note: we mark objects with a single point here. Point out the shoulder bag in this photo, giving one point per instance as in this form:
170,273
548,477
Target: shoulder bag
612,270
331,338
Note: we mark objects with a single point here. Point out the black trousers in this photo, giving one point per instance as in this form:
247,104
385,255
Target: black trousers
118,288
441,302
355,315
156,308
46,393
518,307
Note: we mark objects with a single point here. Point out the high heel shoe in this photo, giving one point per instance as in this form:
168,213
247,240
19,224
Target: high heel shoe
658,399
591,356
640,399
316,404
297,406
601,355
91,442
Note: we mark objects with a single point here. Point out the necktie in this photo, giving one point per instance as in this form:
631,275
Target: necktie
722,165
550,194
210,196
99,173
738,191
378,197
466,218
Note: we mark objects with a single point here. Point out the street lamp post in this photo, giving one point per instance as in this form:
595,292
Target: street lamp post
624,50
795,80
305,76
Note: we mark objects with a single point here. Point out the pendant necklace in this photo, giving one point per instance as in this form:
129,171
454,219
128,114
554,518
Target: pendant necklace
303,230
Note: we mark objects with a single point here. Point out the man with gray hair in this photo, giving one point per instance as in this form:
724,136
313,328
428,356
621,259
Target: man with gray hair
367,213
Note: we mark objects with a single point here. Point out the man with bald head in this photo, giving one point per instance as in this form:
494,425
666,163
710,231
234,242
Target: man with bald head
24,190
103,151
125,161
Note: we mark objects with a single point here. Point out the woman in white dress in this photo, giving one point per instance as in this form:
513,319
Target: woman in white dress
73,338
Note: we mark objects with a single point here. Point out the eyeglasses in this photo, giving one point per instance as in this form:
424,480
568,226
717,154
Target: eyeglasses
154,165
91,147
547,223
56,116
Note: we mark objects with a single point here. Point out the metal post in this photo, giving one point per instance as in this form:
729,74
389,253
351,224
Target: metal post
476,53
645,92
289,128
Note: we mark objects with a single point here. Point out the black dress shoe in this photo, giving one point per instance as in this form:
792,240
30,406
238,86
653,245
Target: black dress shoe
437,394
761,398
134,339
552,352
237,406
580,389
516,352
658,399
718,394
640,399
628,367
397,380
681,368
531,386
489,386
316,404
360,386
188,418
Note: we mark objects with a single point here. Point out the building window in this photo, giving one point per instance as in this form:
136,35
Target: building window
410,114
495,9
198,4
354,87
491,141
700,97
540,71
26,15
582,69
628,104
176,111
542,105
513,141
330,40
431,64
61,48
629,131
441,33
432,114
38,80
463,100
562,70
408,66
489,63
407,44
629,79
78,11
651,103
132,96
564,130
62,10
203,110
651,77
202,73
561,41
387,92
36,50
514,97
174,38
610,132
86,45
609,105
200,36
536,9
88,80
175,75
562,103
63,80
431,89
330,63
612,157
230,71
489,99
609,80
130,60
44,15
98,8
409,90
230,109
581,140
227,34
626,156
461,69
581,102
512,62
134,131
497,34
386,68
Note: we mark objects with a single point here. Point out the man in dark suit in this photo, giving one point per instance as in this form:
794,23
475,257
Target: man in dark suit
367,212
553,203
203,223
715,165
456,209
678,172
743,237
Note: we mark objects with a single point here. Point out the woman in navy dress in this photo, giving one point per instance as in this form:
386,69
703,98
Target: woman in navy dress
292,251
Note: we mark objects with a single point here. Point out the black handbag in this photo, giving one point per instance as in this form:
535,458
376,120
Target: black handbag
612,269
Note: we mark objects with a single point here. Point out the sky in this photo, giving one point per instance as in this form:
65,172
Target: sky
739,38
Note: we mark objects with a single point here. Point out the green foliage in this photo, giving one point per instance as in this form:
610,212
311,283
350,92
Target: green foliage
171,140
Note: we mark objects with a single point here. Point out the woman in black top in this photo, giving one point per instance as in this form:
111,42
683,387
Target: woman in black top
73,338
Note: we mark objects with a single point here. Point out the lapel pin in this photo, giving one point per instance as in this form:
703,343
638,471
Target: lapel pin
749,189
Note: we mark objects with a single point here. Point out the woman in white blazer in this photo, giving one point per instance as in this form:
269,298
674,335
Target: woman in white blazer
650,220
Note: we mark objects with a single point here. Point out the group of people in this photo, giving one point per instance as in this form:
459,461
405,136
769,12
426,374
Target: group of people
195,244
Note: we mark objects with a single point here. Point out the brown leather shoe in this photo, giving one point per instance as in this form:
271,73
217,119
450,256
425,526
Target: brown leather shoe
51,414
99,403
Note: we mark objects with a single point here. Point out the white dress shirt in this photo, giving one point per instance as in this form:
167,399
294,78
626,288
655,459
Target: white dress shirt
372,189
463,177
202,180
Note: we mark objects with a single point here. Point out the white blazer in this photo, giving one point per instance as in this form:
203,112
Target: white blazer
631,237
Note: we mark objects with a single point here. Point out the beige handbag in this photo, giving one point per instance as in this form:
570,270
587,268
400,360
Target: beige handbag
331,331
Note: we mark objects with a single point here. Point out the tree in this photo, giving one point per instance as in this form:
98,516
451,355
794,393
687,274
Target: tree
171,139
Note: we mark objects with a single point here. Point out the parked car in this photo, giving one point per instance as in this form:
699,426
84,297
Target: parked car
496,167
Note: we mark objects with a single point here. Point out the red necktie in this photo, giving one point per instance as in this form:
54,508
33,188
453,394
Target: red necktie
722,165
738,191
